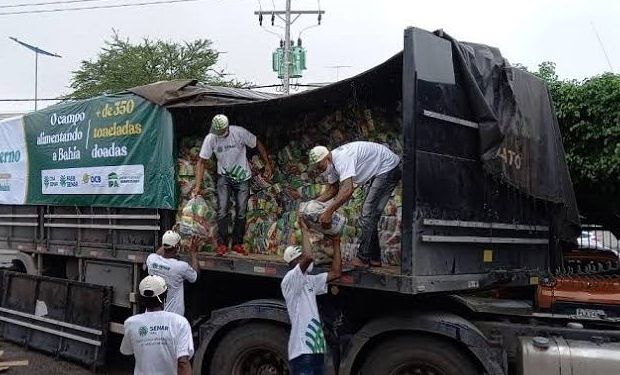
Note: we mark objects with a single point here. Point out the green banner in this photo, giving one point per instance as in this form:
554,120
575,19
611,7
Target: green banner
113,151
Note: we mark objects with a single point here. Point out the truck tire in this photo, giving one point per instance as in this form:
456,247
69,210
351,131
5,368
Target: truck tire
252,349
418,355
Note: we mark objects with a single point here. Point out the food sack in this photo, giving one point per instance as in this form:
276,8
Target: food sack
195,219
312,210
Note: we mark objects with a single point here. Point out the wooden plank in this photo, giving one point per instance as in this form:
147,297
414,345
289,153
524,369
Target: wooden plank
14,363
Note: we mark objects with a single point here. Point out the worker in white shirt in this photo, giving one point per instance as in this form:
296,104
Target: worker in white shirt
355,164
164,263
229,143
160,341
306,347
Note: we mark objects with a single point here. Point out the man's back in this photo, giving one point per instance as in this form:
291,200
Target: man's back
174,272
362,160
300,291
157,340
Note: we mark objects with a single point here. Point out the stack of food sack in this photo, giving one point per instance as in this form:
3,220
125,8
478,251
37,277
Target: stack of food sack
196,217
274,204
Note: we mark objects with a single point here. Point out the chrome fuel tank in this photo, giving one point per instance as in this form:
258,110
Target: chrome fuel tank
556,355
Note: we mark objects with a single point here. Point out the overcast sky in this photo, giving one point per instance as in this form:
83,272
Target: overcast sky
360,33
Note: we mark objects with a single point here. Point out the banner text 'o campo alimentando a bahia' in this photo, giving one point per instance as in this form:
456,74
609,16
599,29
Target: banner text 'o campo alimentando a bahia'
112,151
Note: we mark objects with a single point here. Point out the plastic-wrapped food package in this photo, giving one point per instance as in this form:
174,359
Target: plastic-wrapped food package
312,210
195,219
273,205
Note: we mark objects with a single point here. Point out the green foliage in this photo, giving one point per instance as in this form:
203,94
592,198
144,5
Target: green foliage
122,65
589,116
588,112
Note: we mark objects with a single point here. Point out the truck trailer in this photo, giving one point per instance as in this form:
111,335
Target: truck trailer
487,213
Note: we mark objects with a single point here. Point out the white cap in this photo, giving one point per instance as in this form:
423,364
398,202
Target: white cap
152,286
219,124
291,253
170,239
317,154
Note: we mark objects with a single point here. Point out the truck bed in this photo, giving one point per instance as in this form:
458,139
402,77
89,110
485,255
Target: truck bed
380,278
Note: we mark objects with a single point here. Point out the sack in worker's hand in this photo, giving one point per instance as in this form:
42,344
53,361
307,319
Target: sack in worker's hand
312,211
195,218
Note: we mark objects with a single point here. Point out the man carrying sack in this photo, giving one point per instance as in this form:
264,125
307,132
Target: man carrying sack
164,263
306,346
354,164
228,144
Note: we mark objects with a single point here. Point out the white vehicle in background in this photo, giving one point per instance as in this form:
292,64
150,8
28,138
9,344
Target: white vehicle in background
598,240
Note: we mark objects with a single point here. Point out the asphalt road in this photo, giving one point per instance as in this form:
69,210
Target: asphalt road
42,363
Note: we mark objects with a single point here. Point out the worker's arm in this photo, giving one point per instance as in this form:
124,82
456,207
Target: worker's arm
194,243
330,191
263,154
126,344
160,251
185,346
336,269
183,366
192,271
344,194
206,152
200,171
305,243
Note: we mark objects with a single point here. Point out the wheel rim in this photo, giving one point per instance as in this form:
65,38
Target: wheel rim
417,368
260,361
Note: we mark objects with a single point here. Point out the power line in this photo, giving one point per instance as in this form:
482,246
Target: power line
316,85
94,7
602,47
338,67
47,3
32,100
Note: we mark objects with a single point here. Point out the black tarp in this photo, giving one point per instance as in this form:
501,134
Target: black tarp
518,126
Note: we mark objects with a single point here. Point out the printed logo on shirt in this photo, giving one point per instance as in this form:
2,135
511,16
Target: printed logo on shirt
315,340
157,266
143,331
236,173
221,149
154,329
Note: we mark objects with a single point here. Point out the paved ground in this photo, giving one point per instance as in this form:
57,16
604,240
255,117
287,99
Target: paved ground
41,363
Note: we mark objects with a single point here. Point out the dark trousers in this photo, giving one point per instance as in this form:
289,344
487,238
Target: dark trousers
240,192
378,195
308,364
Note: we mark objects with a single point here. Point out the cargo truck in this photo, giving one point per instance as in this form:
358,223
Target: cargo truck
487,211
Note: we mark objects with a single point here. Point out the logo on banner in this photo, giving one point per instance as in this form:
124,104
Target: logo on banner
91,179
5,182
113,180
68,181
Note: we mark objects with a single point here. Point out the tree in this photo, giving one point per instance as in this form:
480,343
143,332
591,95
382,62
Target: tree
588,112
122,65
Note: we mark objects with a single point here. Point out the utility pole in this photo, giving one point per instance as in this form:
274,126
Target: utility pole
287,33
287,49
36,51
